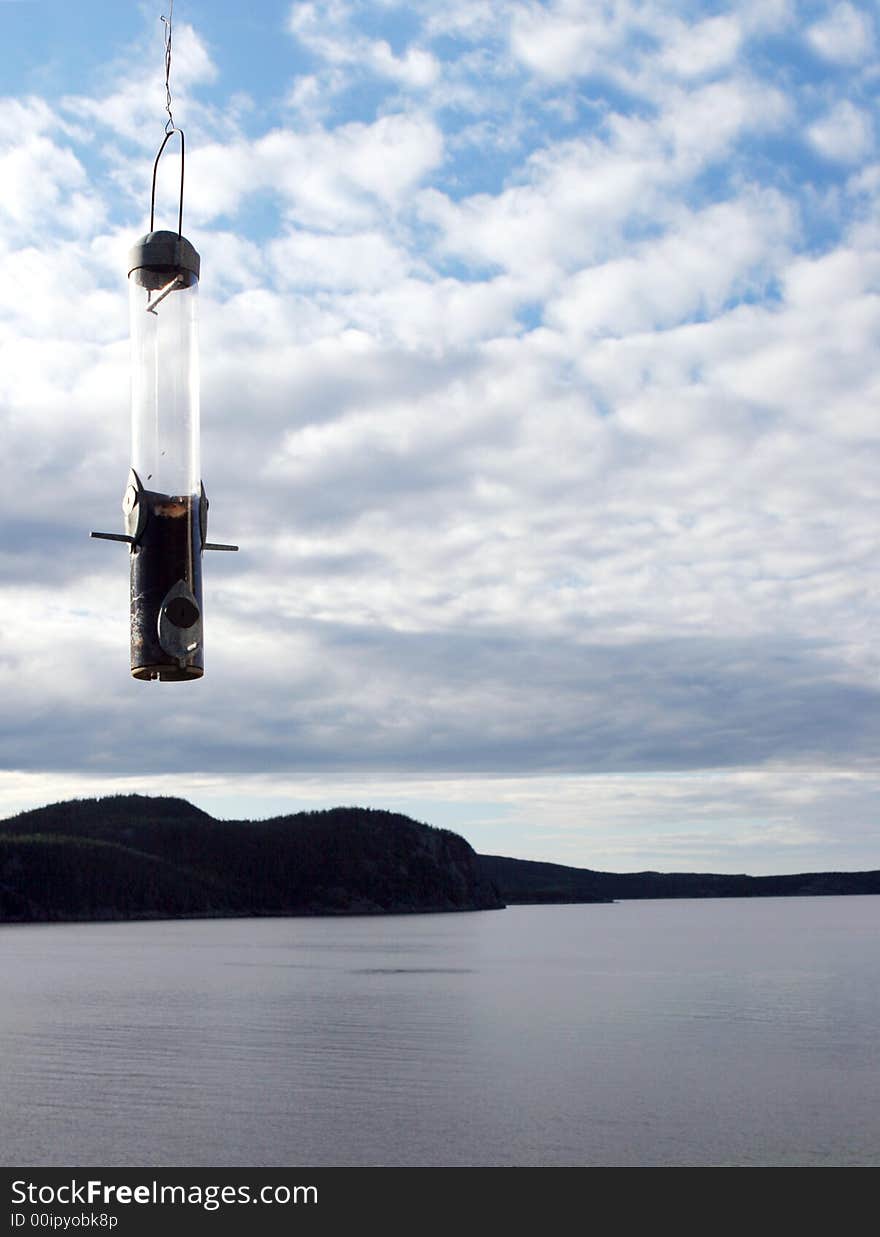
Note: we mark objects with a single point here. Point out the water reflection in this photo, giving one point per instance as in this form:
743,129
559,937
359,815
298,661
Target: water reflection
728,1032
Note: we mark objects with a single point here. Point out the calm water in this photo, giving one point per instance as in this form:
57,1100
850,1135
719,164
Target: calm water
651,1034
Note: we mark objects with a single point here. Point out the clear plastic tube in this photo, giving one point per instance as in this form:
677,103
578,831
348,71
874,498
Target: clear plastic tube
165,380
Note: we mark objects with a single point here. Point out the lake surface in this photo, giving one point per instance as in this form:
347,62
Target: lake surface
668,1033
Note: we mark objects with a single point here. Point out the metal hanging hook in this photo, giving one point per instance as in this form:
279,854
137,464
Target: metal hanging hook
169,133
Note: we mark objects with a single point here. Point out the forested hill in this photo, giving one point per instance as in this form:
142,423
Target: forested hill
134,857
130,856
521,880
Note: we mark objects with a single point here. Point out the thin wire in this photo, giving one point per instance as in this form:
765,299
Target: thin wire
170,127
166,22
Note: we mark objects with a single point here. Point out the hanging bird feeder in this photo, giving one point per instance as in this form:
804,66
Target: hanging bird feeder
165,509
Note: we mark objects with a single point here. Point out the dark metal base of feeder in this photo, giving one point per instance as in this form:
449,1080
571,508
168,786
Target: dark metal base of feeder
166,590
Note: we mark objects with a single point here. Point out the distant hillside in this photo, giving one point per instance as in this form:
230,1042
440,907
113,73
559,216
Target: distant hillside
521,880
129,857
134,857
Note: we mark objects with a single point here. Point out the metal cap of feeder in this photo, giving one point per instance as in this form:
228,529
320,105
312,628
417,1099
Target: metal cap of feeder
164,252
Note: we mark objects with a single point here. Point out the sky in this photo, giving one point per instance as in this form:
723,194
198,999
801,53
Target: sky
539,355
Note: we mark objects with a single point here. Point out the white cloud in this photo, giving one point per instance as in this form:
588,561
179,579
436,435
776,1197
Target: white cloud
41,181
812,363
701,262
773,16
136,108
338,179
56,292
22,118
845,36
361,260
415,68
326,30
562,41
778,819
466,19
638,46
845,134
575,201
693,51
703,123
